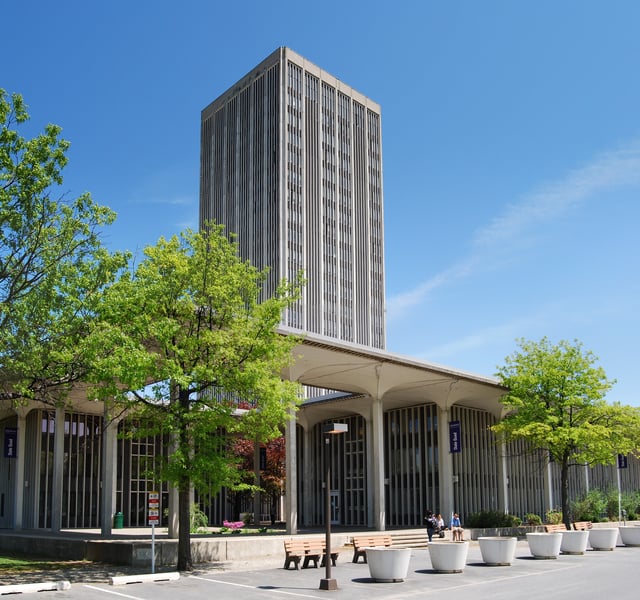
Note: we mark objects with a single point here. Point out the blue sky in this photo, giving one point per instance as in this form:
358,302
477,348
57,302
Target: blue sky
511,146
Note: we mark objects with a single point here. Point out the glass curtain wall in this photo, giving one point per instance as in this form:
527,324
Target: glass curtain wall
348,474
411,464
411,472
476,468
81,470
134,479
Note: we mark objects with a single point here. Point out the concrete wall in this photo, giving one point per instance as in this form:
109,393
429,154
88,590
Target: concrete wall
214,549
51,547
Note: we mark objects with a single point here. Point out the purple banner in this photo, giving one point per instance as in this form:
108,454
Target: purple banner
10,442
455,443
622,461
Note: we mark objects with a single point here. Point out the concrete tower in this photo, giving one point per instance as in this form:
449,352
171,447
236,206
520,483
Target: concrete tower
291,162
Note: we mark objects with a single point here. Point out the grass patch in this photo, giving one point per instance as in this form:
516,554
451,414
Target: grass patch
14,563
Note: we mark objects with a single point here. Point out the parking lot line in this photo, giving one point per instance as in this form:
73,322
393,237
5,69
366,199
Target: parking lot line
120,594
257,587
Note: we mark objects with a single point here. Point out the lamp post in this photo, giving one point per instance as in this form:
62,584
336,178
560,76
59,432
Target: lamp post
329,429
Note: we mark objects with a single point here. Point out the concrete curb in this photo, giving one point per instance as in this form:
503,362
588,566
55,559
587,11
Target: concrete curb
127,579
45,586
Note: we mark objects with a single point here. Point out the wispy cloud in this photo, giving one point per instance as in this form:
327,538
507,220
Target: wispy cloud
401,302
172,185
479,339
612,169
521,220
535,323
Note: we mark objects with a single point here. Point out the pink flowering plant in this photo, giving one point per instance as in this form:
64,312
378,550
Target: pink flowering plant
234,526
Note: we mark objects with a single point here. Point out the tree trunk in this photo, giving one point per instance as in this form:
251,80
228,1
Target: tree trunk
564,492
184,533
184,489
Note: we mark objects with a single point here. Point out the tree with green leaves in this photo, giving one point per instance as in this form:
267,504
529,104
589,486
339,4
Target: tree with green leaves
272,476
183,341
556,402
52,263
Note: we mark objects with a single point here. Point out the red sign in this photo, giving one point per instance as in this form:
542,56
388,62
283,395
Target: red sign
154,508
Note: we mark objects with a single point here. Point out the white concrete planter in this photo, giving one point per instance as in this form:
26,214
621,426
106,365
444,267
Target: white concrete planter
448,557
498,551
388,565
630,535
544,545
603,538
574,542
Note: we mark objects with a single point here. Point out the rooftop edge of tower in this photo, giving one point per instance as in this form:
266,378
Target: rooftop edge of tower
281,55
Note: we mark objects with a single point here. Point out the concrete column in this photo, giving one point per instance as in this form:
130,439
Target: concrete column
503,480
548,490
309,466
445,465
369,470
376,463
291,461
109,471
19,474
586,479
58,470
173,525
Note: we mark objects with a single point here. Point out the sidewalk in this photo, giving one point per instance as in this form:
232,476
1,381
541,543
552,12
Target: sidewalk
268,554
593,575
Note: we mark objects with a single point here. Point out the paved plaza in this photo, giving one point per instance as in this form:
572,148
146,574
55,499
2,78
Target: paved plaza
596,574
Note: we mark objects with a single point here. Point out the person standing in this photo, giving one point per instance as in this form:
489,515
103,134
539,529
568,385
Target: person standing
431,524
456,528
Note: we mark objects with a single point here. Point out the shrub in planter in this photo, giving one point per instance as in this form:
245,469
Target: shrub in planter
554,517
490,519
594,505
630,503
533,519
590,506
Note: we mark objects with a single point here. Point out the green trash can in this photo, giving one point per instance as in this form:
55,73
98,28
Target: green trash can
118,520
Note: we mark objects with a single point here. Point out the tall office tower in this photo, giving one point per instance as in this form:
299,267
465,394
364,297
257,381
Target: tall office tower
291,162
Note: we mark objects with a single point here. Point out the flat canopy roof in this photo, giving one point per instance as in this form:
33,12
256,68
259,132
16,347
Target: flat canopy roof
366,373
362,374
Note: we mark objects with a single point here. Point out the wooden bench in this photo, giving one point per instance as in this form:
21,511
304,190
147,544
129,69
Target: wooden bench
555,528
360,542
295,550
582,525
307,550
319,547
410,540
